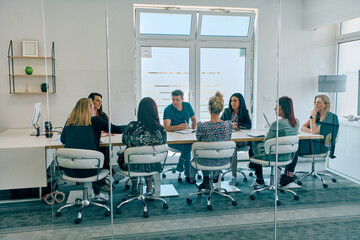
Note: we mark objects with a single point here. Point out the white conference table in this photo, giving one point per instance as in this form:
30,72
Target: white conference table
25,159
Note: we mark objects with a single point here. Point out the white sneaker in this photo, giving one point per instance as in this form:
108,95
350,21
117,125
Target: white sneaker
232,181
256,185
291,185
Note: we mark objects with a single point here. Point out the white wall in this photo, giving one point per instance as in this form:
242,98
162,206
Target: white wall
79,35
320,13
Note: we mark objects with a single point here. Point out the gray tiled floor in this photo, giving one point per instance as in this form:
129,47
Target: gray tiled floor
332,213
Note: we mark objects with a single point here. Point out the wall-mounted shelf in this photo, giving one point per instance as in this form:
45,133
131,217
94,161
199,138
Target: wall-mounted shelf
15,60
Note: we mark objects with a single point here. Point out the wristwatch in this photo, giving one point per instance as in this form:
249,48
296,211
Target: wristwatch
311,117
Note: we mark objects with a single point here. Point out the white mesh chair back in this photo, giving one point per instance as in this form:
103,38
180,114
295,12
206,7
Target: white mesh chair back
79,158
213,150
146,154
288,144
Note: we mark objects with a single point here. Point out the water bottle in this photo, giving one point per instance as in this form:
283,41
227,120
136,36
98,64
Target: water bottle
48,129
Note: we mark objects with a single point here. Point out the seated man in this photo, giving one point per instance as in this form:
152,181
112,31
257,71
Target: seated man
176,117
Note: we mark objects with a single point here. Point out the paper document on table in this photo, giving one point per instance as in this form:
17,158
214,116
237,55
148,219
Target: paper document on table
186,131
256,134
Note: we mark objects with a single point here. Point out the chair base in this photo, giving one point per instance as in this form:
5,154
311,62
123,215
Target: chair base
82,203
210,192
315,174
141,197
272,188
239,170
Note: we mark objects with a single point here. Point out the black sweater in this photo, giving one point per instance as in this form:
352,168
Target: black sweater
87,137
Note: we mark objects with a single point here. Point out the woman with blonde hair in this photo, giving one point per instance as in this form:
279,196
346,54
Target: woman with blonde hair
213,131
82,131
321,121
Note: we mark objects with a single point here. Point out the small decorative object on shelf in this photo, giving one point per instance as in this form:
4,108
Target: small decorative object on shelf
28,70
43,87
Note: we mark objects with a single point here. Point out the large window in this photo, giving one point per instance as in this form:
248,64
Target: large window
349,64
199,52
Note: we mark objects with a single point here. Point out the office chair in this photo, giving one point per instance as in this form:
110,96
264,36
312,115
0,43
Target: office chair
212,150
322,156
173,169
241,169
81,159
143,155
286,145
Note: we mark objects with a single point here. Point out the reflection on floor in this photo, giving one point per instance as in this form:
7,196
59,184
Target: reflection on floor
332,213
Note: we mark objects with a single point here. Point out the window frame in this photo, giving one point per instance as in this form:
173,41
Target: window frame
227,38
346,38
138,35
195,43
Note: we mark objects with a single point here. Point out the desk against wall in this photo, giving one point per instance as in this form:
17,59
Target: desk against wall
25,158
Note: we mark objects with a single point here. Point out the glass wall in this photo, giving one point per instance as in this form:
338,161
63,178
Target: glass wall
259,50
79,34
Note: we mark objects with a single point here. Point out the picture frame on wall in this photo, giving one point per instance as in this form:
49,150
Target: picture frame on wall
29,48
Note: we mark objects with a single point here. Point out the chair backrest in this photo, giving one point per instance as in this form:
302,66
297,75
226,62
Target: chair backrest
146,154
79,158
213,150
286,145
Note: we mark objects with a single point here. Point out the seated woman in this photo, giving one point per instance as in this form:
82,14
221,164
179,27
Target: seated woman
321,121
213,131
146,131
82,131
240,119
97,101
288,126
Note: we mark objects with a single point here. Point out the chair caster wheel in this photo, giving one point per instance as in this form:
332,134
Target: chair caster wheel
58,214
199,194
209,207
252,197
118,210
165,206
78,202
146,214
299,183
296,197
278,203
173,170
333,180
163,176
180,180
127,187
77,220
234,203
123,199
314,176
282,191
325,185
188,200
107,214
251,174
199,177
245,180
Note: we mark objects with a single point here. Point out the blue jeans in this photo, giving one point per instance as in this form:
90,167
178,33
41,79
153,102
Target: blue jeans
185,156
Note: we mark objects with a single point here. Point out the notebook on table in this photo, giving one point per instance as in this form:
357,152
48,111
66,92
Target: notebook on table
186,131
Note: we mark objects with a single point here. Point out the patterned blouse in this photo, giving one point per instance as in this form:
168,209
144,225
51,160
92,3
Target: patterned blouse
137,135
214,132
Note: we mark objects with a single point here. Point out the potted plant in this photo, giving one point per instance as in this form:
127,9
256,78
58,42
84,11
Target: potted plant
43,87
